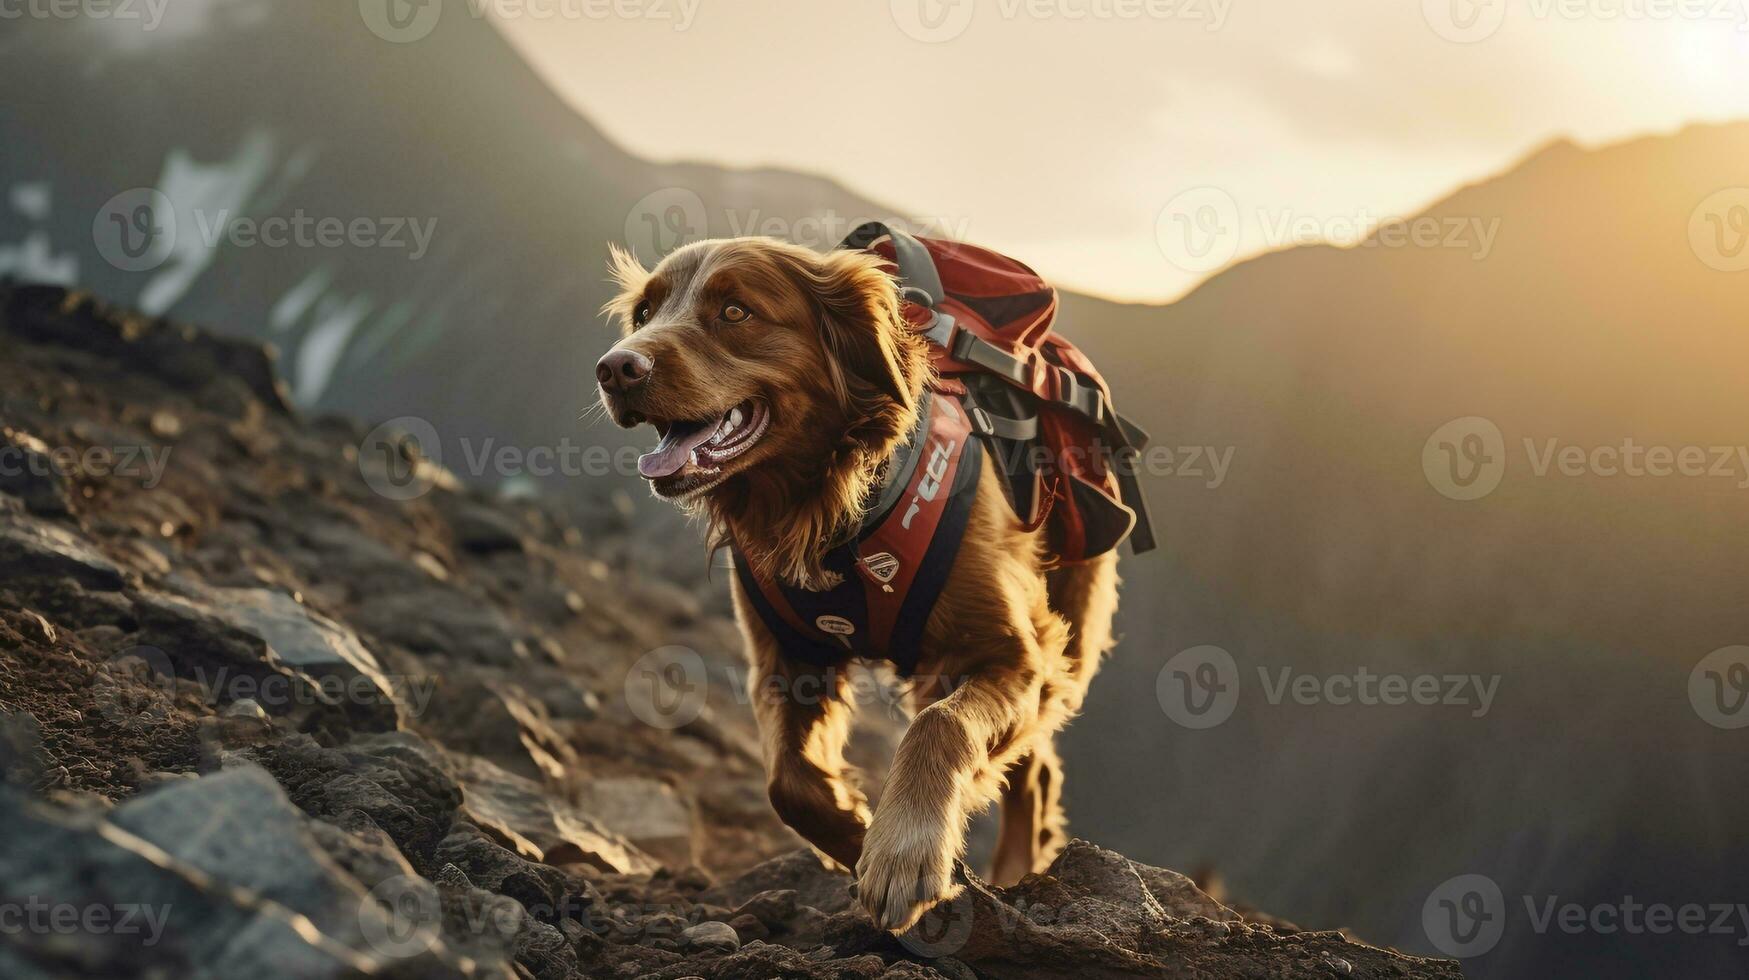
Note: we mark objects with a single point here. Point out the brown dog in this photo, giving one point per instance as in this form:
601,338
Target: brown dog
781,381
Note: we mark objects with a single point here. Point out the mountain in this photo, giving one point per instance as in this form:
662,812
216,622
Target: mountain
1582,298
276,722
256,110
1604,312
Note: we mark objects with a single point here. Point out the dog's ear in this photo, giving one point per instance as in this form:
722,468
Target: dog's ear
860,323
626,272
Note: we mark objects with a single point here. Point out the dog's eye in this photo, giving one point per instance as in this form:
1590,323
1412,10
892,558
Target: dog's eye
735,313
641,315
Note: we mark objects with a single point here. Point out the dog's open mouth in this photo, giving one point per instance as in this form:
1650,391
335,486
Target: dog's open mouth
692,454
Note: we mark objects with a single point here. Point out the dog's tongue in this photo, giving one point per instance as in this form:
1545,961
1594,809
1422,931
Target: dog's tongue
675,449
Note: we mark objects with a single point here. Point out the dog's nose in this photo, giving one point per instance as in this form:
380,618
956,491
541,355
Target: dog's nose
622,370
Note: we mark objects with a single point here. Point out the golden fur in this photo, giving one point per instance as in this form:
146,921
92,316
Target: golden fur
1013,641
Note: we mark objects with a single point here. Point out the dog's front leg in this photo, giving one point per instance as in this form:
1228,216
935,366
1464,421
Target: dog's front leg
948,765
804,721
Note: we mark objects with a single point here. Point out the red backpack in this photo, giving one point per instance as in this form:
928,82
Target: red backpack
1038,402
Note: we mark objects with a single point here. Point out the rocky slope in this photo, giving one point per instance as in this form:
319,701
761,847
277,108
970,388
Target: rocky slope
257,718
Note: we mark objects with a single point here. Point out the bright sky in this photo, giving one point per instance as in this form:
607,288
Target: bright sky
1126,147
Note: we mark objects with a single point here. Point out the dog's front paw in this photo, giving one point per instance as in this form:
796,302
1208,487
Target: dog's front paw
905,870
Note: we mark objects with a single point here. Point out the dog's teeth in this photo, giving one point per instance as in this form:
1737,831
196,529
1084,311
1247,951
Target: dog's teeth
734,419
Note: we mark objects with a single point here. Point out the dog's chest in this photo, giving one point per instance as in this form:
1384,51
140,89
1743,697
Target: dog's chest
891,574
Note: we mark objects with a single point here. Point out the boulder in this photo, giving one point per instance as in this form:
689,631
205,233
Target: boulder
648,812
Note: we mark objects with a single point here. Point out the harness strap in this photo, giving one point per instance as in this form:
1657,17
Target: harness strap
916,266
892,572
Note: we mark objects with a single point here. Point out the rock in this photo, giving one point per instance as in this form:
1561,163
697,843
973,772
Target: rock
749,927
537,825
482,530
318,648
33,550
28,472
1096,871
361,848
246,708
394,784
762,889
146,912
648,812
238,827
181,357
22,760
435,619
548,895
717,936
1094,915
496,720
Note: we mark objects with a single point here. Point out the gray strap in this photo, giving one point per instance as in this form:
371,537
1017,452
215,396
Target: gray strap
916,267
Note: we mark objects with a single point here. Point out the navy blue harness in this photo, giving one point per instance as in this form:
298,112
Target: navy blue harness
893,569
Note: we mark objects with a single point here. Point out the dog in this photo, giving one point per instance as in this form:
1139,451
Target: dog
781,381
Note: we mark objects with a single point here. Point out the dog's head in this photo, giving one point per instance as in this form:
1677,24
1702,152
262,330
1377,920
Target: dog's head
767,370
